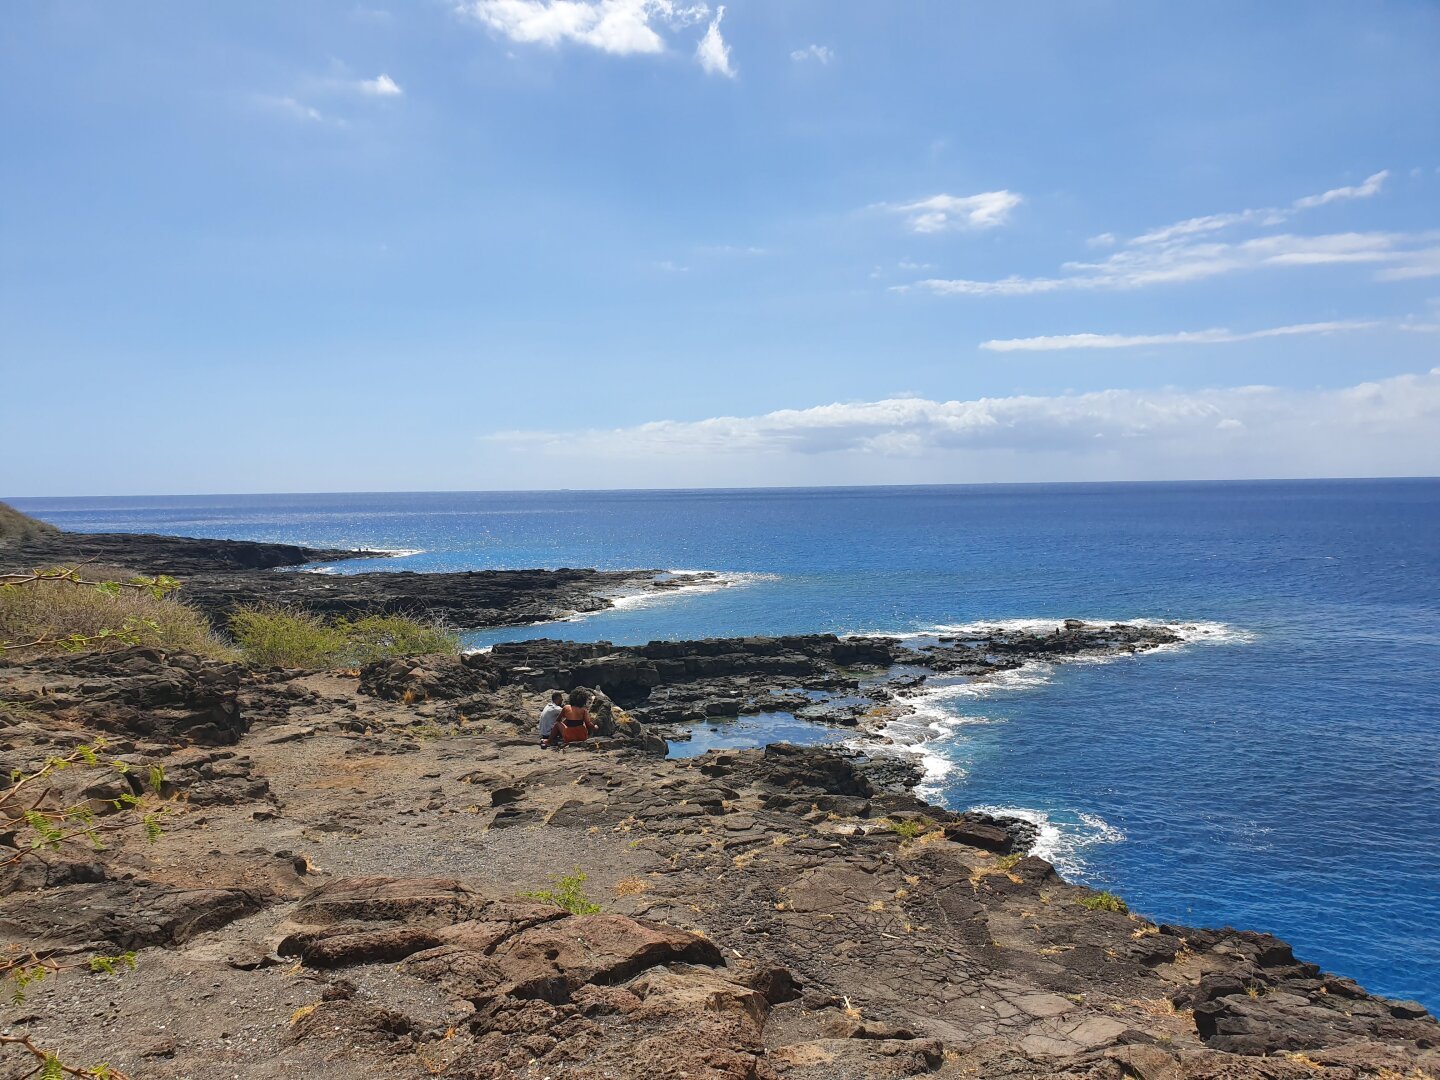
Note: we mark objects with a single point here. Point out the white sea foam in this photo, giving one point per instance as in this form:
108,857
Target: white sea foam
389,553
934,719
1064,834
1198,632
648,597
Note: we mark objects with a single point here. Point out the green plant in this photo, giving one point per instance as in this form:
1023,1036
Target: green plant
111,965
378,636
271,635
50,1066
47,828
56,609
1104,901
38,827
568,893
908,830
1005,862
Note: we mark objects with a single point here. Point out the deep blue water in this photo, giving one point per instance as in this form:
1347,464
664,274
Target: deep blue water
1283,775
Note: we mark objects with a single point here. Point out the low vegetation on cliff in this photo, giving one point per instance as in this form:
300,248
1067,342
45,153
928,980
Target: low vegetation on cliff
274,636
61,610
17,526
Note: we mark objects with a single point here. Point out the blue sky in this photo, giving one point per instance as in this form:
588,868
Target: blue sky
534,243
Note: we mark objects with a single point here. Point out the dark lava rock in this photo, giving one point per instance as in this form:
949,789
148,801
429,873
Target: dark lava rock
467,600
173,698
1003,835
178,556
120,914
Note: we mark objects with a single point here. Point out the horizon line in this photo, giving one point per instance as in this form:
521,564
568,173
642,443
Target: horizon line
725,488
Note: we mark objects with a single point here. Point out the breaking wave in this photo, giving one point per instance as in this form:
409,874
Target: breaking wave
641,598
1063,834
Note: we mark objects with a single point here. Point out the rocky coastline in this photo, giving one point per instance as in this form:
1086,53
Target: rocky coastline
221,575
376,873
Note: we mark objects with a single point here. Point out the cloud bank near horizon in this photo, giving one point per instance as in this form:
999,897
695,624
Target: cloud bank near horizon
1385,427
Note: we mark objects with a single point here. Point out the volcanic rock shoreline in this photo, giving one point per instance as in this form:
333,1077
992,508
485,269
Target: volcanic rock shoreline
346,885
221,575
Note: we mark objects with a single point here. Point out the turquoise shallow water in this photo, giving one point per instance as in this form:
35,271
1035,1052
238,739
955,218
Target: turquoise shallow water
1282,772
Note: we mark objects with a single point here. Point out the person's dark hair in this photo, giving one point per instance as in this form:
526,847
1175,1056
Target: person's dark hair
557,697
579,698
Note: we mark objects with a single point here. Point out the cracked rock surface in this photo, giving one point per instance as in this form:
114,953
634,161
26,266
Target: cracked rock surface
347,887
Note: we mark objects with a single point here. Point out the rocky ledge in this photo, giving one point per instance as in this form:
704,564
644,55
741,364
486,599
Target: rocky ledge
220,575
844,681
359,881
468,600
144,553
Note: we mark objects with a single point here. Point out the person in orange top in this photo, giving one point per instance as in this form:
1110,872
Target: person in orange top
575,723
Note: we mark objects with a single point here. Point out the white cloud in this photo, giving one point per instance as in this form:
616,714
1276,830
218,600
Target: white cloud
712,52
292,107
380,86
1268,216
1374,428
821,53
942,212
1184,337
749,250
622,27
1402,255
1370,187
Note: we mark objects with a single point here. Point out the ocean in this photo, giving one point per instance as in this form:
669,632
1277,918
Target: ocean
1280,771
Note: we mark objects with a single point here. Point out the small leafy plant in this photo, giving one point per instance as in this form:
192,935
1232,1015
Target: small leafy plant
568,893
907,830
1104,901
42,829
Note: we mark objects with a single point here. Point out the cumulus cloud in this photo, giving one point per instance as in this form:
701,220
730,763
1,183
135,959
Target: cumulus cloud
821,53
1373,428
621,27
712,52
940,213
380,86
1058,342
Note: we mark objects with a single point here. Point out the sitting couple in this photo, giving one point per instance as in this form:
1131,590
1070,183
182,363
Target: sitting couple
561,723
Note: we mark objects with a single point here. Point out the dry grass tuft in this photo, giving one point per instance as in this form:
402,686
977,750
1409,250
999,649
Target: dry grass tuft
631,886
17,526
55,610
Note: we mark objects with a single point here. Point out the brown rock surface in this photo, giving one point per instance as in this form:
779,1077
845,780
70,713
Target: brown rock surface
351,903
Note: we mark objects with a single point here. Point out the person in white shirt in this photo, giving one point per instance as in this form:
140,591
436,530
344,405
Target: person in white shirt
549,718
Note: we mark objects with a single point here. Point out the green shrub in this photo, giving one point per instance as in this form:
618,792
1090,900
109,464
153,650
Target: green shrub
907,830
569,893
1104,901
377,636
1005,862
63,614
270,635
